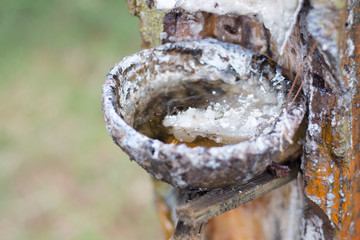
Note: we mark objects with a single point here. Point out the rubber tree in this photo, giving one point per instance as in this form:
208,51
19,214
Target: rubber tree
320,50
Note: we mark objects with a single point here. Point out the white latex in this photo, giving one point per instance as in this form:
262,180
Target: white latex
246,115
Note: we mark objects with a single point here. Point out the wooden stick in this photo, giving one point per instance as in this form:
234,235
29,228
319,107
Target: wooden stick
216,202
184,231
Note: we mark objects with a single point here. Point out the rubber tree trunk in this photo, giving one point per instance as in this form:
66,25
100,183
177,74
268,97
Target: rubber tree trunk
323,49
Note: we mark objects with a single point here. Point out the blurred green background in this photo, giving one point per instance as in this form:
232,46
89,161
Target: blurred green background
61,176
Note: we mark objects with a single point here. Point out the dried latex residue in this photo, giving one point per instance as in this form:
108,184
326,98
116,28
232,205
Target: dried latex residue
228,121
